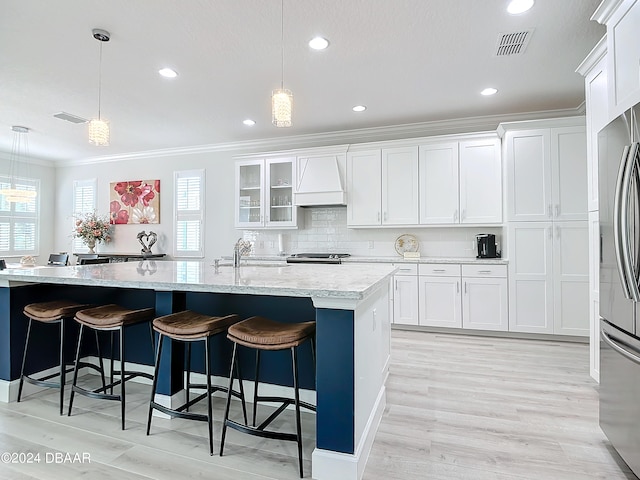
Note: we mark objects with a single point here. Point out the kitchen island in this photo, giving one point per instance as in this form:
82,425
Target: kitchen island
350,304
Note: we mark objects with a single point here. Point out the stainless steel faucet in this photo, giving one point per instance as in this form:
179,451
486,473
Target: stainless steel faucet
236,253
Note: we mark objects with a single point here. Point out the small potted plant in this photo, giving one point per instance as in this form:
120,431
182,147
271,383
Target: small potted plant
92,228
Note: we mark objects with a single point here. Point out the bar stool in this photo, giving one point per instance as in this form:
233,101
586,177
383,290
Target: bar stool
111,318
260,334
51,313
189,327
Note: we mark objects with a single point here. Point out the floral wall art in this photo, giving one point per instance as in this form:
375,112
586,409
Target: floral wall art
135,201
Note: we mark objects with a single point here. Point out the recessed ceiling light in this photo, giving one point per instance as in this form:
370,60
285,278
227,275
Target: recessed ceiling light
168,72
519,6
249,123
318,43
359,108
489,91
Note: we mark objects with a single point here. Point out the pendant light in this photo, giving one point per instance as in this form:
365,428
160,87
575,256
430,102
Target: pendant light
282,99
98,127
12,193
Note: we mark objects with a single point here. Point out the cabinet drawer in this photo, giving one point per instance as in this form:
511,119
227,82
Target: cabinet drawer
439,270
484,271
406,268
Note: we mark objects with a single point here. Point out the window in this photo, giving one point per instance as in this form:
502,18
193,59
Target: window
84,201
19,222
189,213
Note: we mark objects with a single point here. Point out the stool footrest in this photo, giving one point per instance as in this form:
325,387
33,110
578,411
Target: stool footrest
95,393
178,413
42,382
256,431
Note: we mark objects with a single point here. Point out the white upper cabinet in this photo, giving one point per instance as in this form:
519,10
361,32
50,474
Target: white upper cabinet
461,182
480,181
382,187
439,197
623,50
364,188
546,173
264,193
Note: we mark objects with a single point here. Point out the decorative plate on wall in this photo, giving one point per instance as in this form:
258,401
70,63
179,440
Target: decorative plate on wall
407,243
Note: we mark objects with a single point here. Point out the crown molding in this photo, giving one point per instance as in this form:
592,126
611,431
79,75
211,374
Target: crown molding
594,56
6,156
363,135
605,10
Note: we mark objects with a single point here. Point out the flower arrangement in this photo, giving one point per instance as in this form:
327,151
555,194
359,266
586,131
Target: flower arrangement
92,228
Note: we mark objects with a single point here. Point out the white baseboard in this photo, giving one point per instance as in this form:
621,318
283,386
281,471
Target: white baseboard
328,465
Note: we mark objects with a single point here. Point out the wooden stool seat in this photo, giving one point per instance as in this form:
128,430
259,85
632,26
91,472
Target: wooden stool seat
188,325
112,316
52,311
265,334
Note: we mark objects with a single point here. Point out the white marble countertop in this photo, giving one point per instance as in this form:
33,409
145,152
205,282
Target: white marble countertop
393,259
346,281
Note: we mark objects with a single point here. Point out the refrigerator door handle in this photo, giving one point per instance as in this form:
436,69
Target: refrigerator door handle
619,221
619,347
631,184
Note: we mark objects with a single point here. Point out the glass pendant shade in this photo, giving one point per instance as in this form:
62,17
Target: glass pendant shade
282,107
99,132
11,193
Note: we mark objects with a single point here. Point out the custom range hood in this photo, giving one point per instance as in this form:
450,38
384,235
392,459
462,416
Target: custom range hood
320,180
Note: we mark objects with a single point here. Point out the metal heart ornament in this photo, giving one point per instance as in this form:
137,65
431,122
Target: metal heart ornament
150,239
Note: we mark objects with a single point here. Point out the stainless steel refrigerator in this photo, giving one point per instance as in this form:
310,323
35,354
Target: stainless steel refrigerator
619,205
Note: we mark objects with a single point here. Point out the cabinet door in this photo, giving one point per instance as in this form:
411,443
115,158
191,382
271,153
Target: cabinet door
480,181
531,277
438,170
528,175
623,49
364,188
484,303
249,194
400,186
439,301
405,299
569,173
571,278
279,179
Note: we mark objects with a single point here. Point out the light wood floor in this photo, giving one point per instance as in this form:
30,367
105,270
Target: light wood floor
458,407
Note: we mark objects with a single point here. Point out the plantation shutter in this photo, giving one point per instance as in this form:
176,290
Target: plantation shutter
189,213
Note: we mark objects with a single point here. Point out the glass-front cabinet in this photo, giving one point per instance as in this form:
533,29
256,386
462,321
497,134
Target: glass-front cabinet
265,193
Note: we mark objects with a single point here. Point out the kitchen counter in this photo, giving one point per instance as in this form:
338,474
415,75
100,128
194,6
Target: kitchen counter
390,259
349,302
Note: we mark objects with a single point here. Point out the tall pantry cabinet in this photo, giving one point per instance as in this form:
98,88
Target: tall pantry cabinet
547,237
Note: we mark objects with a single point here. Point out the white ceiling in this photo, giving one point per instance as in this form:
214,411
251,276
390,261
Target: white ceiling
409,61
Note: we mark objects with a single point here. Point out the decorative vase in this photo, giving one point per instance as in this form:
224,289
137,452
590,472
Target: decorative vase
91,243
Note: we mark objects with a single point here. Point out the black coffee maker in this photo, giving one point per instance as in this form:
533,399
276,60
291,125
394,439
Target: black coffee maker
486,246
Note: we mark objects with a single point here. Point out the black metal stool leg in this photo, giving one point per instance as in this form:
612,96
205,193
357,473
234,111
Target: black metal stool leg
63,369
75,369
122,377
255,388
226,408
207,372
100,358
188,353
155,382
112,354
297,405
24,360
241,387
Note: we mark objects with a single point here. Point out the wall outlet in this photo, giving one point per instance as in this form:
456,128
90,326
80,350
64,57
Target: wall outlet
370,243
271,245
260,244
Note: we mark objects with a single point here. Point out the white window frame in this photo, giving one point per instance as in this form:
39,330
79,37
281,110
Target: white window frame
13,215
91,186
188,215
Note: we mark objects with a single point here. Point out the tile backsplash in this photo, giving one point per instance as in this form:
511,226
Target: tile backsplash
325,230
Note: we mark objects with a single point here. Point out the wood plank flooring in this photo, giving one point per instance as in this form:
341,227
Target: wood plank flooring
458,407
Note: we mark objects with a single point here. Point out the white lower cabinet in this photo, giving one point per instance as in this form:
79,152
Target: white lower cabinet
439,303
405,295
463,296
484,297
549,277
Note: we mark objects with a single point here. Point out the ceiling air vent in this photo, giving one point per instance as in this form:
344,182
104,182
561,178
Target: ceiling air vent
70,118
513,43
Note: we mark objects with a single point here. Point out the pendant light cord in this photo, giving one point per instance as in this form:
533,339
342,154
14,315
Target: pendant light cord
100,82
282,43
